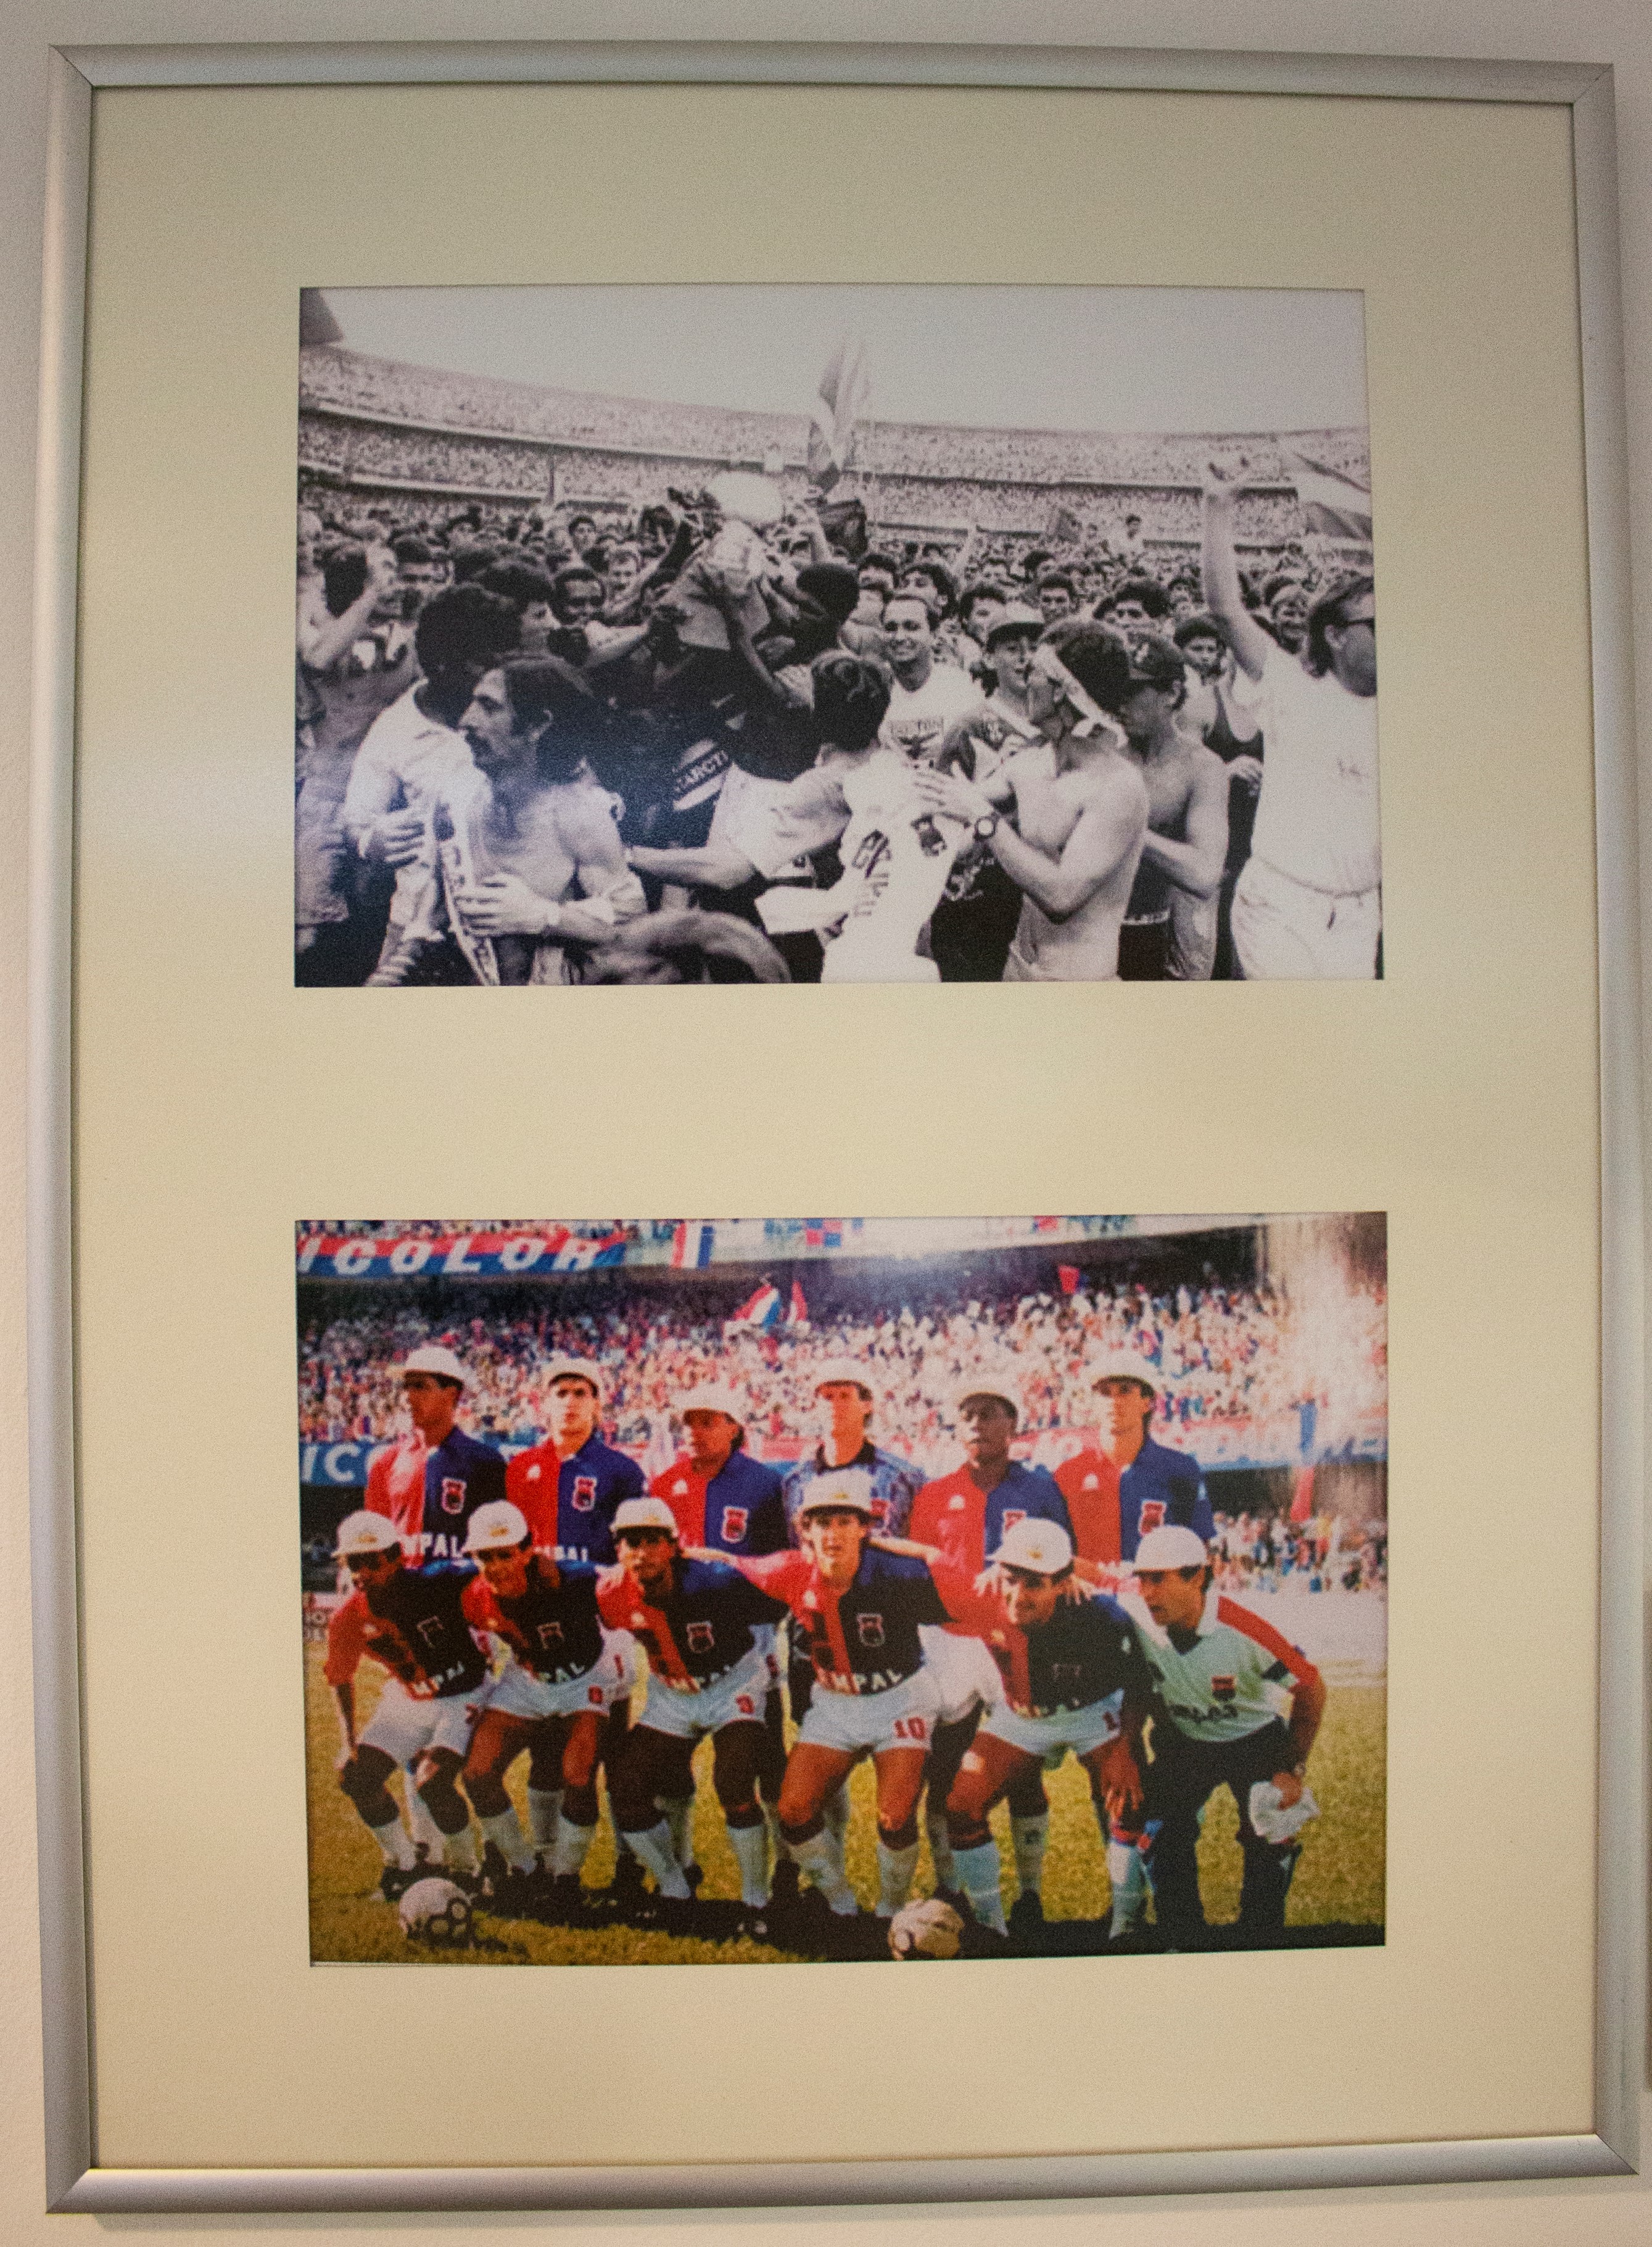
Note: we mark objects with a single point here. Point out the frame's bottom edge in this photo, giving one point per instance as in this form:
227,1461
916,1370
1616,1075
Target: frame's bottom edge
803,2184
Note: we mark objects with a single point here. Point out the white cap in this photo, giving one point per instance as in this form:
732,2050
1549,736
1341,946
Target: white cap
1000,1382
363,1532
843,1368
497,1528
850,1486
434,1357
1170,1547
1121,1366
1044,1546
573,1368
644,1513
712,1396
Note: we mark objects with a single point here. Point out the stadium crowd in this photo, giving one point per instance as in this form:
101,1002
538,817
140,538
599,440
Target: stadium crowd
1229,1358
738,731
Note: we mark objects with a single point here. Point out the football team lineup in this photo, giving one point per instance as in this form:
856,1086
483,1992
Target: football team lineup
921,1625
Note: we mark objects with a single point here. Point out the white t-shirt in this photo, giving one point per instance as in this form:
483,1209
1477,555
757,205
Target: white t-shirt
1317,819
405,762
918,716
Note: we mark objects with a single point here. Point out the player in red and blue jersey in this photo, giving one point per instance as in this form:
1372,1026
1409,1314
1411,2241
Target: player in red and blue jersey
412,1622
569,1488
562,1674
430,1484
965,1515
1117,1495
708,1635
722,1499
1073,1675
856,1613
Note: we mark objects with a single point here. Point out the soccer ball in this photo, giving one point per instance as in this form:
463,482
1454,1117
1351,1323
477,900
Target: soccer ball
930,1930
435,1911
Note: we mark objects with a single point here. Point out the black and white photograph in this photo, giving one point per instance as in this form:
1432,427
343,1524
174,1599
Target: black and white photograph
726,1591
653,634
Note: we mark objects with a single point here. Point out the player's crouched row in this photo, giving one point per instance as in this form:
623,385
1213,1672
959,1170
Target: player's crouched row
895,1634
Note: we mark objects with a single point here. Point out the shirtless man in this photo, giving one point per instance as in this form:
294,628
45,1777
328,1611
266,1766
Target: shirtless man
536,858
1081,810
1170,924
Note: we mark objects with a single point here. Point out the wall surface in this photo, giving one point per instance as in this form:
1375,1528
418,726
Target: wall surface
1618,31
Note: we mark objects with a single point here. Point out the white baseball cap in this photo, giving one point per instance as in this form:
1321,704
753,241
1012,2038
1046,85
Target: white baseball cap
1000,1383
712,1396
1170,1547
363,1532
848,1486
644,1513
497,1528
843,1368
573,1368
1123,1367
434,1357
1044,1546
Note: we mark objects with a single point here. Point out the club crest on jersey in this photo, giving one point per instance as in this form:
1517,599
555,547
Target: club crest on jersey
701,1637
1224,1689
1090,1482
1152,1515
880,1512
868,1629
679,1488
550,1634
452,1494
583,1497
734,1518
1012,1515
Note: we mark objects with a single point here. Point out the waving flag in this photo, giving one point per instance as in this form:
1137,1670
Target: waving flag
691,1245
797,1310
1334,504
844,389
760,1310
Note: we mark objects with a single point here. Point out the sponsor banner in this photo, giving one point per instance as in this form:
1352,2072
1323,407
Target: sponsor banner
455,1256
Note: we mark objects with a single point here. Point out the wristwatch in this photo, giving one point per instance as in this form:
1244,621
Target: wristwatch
986,827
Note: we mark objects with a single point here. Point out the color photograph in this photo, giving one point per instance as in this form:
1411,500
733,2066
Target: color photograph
890,634
733,1591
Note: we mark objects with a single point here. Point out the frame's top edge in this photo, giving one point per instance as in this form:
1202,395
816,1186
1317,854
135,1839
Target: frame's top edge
799,62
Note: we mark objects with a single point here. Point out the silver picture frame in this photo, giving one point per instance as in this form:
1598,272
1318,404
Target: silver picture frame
77,2182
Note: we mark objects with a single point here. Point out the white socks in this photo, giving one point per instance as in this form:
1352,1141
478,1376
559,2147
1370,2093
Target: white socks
820,1862
1128,1872
544,1815
392,1838
573,1845
895,1870
507,1836
978,1876
655,1853
750,1845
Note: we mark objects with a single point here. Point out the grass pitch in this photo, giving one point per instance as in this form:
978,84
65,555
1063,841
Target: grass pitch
1339,1882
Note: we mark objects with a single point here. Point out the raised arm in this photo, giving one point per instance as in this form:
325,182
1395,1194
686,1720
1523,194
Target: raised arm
323,639
1195,864
1219,564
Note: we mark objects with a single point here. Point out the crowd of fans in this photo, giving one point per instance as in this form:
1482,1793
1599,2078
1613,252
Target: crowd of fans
1259,1553
655,668
1245,1378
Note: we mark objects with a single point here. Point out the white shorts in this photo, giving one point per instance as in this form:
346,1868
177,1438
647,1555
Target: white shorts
405,1728
736,1697
1078,1729
519,1693
965,1673
902,1717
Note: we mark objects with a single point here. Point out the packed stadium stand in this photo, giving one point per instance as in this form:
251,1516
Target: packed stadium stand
378,427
